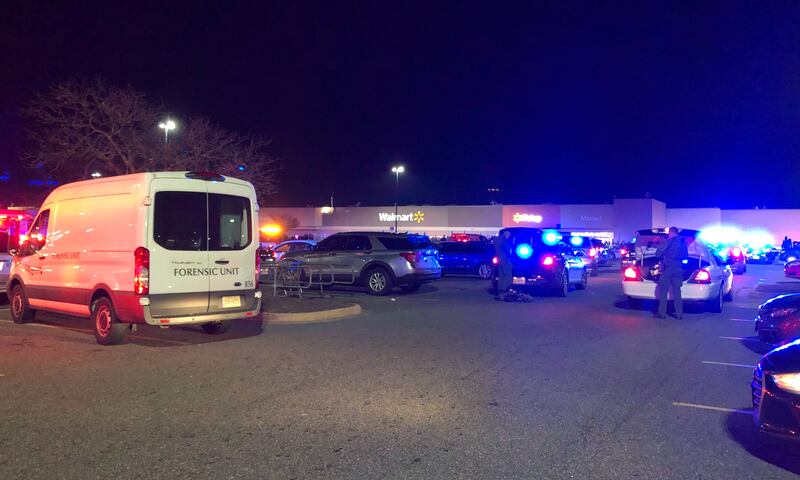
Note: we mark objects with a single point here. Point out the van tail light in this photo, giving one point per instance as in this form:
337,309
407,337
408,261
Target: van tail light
548,260
411,257
495,260
258,265
701,276
631,275
141,271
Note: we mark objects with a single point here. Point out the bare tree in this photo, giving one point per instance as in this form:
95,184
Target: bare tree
81,126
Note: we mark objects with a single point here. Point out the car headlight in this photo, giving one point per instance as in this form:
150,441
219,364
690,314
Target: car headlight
780,312
788,381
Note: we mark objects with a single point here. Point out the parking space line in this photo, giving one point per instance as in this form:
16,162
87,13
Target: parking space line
733,338
748,320
710,407
726,364
83,330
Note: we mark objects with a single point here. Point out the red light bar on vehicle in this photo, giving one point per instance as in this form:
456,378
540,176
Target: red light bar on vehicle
736,252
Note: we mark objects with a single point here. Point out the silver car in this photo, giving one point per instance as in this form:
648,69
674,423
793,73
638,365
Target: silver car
377,260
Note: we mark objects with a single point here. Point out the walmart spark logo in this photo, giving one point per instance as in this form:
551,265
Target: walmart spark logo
419,217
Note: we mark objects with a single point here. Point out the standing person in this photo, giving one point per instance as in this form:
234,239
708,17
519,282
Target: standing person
502,249
672,253
787,244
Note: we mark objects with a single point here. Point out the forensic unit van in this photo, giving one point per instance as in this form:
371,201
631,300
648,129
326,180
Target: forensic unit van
161,248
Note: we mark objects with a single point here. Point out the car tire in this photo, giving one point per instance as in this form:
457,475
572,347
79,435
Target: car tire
485,271
563,289
217,328
729,296
107,328
411,287
584,281
21,311
378,281
715,304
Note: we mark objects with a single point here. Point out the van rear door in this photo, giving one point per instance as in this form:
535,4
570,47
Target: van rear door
178,243
232,246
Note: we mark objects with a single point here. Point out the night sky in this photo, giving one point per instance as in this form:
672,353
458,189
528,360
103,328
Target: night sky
563,102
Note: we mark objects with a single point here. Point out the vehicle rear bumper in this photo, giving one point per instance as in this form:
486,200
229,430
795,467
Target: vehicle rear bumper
131,310
646,290
419,277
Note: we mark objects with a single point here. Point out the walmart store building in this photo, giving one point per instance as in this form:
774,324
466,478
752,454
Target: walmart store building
613,221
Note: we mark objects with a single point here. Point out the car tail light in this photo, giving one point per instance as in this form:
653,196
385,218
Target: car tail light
623,252
701,276
495,260
548,260
141,271
592,252
631,274
258,264
410,256
736,252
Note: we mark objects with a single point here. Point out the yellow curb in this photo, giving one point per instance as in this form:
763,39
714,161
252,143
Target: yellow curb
312,317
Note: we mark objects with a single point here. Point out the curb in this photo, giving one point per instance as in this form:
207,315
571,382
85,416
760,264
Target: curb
321,316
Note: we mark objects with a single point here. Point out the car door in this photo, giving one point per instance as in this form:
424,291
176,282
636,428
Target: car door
325,258
32,261
447,253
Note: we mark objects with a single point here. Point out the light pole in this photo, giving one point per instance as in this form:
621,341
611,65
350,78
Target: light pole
167,126
397,170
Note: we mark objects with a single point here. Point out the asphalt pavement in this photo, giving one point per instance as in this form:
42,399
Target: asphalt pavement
445,383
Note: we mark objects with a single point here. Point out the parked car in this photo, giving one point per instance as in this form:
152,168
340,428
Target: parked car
792,269
470,258
468,237
534,263
291,247
627,255
776,391
377,260
790,255
583,248
763,256
706,277
736,258
161,248
778,319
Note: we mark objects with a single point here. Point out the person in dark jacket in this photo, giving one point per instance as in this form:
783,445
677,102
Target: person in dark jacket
672,253
502,249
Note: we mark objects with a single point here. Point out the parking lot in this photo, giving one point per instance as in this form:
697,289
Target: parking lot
444,383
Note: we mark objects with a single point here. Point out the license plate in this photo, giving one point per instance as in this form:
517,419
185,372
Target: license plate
518,281
232,301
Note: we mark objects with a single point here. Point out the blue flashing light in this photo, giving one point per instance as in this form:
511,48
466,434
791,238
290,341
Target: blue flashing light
241,168
685,261
524,251
576,241
550,237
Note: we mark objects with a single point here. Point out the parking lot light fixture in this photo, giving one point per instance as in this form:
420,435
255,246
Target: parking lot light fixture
167,125
397,170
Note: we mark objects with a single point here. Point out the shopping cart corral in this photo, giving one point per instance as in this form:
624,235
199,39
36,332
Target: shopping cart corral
293,277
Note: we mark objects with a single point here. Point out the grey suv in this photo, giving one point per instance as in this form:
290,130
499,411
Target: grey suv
377,260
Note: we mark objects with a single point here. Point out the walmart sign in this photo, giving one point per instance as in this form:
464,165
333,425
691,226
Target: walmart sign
416,217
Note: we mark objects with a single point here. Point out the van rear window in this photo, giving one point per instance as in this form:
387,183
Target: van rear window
195,221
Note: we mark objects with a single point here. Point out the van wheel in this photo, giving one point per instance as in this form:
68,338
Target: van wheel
21,312
379,282
217,328
107,328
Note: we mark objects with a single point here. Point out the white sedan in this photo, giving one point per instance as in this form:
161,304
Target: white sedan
706,278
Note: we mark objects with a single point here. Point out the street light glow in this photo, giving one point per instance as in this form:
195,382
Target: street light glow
168,125
398,169
96,174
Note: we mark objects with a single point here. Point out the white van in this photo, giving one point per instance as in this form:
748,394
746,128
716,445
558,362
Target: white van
164,248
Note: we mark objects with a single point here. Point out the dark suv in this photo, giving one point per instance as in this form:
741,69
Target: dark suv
377,260
471,258
535,263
